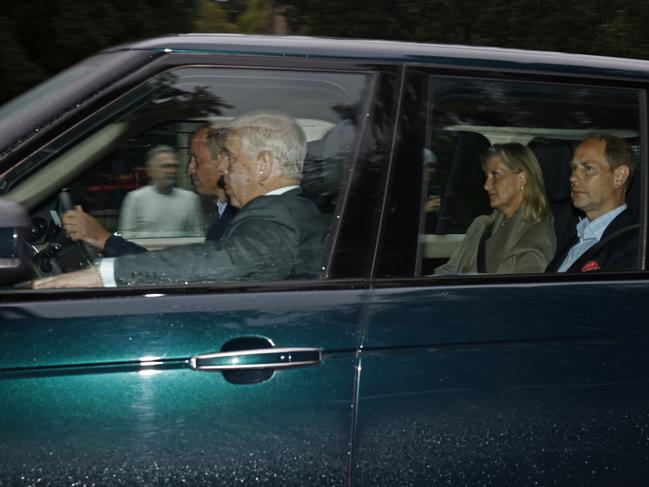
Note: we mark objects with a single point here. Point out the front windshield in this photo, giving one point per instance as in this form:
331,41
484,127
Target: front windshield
42,105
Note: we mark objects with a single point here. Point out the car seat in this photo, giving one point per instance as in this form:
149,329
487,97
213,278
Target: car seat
325,163
554,157
459,155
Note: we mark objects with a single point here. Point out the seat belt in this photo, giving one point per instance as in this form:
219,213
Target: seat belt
481,264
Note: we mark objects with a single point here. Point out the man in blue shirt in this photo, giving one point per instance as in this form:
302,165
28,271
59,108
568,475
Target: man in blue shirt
607,238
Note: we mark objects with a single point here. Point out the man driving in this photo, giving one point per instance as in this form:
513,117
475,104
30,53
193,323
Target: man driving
277,234
205,153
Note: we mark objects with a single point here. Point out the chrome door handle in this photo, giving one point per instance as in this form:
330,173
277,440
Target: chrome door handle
263,358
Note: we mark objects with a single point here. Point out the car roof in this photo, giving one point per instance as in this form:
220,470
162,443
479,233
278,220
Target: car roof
393,51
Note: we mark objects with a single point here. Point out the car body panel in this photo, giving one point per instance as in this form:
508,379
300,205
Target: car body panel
511,395
401,52
114,376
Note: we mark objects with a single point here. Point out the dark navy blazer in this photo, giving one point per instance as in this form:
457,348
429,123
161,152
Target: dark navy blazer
616,251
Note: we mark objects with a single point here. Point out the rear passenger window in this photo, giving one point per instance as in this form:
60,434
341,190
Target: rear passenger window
462,165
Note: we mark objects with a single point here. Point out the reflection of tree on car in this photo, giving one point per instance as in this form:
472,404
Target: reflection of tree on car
102,188
168,101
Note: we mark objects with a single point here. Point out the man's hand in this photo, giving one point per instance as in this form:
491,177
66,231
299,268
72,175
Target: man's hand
81,226
85,278
433,203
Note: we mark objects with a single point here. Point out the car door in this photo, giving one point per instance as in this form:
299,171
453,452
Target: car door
533,379
105,388
218,383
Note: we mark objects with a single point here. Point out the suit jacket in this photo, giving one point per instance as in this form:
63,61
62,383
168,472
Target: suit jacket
117,246
271,238
217,229
518,247
617,250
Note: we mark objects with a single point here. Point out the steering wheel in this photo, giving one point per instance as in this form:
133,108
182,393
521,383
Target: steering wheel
61,254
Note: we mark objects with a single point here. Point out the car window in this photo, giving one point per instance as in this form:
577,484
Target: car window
118,164
40,107
470,122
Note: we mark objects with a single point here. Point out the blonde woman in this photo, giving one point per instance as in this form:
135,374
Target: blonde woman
518,236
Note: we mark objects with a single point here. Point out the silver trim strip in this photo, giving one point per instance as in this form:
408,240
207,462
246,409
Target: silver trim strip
260,351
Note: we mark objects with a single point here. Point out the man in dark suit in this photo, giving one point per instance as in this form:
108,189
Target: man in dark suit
277,234
225,212
607,239
205,151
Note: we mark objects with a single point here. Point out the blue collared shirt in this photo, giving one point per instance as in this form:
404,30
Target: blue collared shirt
220,206
589,233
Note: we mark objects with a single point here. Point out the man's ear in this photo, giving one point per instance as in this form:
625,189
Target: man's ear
265,165
620,176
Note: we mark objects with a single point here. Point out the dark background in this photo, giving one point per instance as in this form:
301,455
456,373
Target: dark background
39,38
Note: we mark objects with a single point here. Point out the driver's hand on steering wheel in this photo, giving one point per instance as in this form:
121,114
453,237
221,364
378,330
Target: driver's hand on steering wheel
79,225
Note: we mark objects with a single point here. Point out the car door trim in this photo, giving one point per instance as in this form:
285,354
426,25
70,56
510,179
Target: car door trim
303,356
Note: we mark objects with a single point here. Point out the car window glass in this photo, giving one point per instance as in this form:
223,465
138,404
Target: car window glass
102,163
458,207
28,113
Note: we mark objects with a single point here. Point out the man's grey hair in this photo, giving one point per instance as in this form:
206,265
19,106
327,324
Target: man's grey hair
158,149
277,133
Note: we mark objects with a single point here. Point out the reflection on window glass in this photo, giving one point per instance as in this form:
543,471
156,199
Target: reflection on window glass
485,142
155,165
325,105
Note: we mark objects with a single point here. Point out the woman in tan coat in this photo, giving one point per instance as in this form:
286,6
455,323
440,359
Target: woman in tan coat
518,237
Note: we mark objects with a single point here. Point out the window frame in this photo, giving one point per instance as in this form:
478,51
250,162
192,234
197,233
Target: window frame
381,272
345,238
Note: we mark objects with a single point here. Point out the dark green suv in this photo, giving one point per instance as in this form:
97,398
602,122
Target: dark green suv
375,372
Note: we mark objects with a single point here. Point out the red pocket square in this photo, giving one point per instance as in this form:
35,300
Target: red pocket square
591,265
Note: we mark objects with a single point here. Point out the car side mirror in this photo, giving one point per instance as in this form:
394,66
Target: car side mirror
15,252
